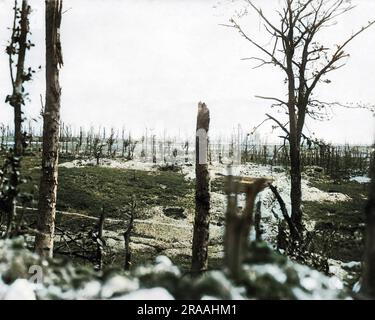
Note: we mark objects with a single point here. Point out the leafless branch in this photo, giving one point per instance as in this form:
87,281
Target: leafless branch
260,47
282,127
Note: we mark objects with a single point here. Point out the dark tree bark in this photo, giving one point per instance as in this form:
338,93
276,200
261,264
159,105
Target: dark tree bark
51,117
202,193
127,235
100,243
295,188
258,221
368,282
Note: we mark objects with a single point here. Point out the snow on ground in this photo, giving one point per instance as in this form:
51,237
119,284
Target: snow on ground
147,294
269,207
280,180
361,179
161,280
280,177
21,289
111,163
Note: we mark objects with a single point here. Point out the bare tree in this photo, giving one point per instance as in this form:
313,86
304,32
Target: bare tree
18,46
295,50
51,117
202,193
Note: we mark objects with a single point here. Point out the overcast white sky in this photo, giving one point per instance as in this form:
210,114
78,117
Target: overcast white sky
147,63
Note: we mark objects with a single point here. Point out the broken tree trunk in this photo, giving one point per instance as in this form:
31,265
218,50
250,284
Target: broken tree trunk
202,193
294,232
127,234
368,282
100,243
239,222
17,98
257,222
51,124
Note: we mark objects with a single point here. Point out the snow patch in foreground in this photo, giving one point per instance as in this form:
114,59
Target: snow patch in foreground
21,289
147,294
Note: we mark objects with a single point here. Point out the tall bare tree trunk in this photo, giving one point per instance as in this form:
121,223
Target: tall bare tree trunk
368,282
294,142
202,193
295,190
48,182
17,96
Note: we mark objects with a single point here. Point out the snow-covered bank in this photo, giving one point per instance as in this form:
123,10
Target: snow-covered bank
274,278
280,179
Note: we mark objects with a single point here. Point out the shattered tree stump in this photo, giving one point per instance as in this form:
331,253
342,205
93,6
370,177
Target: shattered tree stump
127,234
239,222
100,242
202,193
